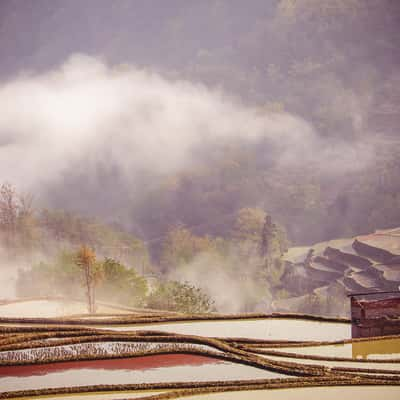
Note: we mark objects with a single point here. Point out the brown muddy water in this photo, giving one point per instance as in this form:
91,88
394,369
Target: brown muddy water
386,348
370,350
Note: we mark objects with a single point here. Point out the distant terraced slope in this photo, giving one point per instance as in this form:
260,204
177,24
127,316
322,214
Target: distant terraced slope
322,275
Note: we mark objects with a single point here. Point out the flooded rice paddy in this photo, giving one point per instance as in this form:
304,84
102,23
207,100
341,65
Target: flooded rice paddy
98,349
108,396
49,308
273,329
146,359
348,364
150,369
317,393
368,350
379,349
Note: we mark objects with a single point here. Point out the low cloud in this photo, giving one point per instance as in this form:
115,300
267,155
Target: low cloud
86,111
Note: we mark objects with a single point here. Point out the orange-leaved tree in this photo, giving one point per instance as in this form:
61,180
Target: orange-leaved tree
92,273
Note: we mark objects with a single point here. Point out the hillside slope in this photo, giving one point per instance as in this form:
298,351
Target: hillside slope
320,277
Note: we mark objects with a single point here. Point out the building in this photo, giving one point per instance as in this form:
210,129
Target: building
375,314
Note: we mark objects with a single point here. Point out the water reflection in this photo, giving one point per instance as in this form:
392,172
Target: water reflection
372,350
187,369
132,364
376,348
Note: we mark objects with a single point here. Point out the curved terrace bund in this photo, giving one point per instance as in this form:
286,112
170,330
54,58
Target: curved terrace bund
45,334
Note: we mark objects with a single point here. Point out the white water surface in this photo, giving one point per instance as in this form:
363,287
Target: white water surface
185,373
105,395
314,393
349,364
271,329
49,309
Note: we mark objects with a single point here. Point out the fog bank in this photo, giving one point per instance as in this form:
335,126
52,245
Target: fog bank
86,112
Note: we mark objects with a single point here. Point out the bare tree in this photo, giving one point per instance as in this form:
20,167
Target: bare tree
17,219
9,210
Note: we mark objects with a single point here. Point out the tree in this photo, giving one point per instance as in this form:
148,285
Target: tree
181,247
273,243
17,220
121,284
57,277
247,233
181,297
9,208
62,276
248,225
92,272
26,222
255,232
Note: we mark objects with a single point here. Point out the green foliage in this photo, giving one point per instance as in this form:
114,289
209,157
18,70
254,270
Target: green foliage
63,277
237,261
181,297
180,247
248,225
70,229
122,285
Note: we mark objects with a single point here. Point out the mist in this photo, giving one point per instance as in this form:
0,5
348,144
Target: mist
232,291
86,112
93,137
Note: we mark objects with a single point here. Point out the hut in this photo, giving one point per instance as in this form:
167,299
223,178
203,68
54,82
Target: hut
375,314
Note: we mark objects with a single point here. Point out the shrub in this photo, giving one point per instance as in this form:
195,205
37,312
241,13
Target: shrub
181,297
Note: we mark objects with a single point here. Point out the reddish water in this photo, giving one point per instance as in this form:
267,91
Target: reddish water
134,363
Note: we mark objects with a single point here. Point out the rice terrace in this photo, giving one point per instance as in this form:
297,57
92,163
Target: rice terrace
139,354
199,199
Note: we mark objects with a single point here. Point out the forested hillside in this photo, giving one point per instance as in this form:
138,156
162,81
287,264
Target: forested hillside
204,135
45,248
332,63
